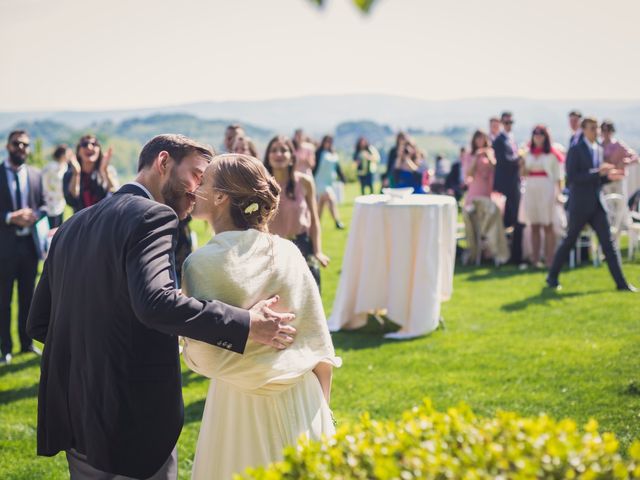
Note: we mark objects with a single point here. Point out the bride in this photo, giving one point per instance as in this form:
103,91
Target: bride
264,399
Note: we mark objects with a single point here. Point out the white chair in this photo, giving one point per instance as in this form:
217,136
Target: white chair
587,238
618,215
634,232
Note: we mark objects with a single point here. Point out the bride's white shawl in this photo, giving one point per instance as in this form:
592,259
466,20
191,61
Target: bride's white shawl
241,268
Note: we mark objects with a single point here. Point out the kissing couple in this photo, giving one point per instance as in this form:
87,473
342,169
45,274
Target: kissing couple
109,313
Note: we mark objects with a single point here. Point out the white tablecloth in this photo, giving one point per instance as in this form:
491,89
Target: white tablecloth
400,258
632,179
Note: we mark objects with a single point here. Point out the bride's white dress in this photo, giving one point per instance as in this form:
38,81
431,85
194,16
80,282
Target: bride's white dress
263,400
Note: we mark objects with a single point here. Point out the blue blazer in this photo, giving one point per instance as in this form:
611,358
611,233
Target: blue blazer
35,201
584,181
507,175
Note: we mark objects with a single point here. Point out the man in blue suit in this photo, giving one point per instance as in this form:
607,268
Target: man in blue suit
586,173
21,203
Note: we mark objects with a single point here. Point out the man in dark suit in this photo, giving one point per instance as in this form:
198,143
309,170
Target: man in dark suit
507,182
586,173
109,314
20,203
454,183
575,117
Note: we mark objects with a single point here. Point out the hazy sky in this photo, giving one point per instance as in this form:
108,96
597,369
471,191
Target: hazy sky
85,54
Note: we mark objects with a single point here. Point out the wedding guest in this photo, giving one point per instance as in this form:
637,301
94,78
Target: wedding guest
305,153
542,188
366,158
410,168
586,173
387,178
507,182
21,201
52,175
91,176
454,183
483,223
575,117
297,217
494,128
326,171
440,174
479,168
232,131
618,154
245,146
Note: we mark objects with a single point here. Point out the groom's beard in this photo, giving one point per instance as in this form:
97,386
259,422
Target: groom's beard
176,197
17,158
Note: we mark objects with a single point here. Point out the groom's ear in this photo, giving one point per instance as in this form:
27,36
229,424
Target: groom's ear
162,162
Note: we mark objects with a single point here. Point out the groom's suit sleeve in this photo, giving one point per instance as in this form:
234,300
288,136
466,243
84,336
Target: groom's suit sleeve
157,303
40,310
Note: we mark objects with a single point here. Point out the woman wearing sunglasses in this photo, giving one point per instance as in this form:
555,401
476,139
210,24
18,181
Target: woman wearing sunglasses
91,177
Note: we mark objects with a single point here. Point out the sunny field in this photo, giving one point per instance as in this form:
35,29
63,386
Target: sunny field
507,344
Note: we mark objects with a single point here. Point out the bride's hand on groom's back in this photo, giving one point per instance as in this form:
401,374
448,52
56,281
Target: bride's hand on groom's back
269,327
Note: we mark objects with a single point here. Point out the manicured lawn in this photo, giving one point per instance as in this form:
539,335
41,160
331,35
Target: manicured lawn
508,344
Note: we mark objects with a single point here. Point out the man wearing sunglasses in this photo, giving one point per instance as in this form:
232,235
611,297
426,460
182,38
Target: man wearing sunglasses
20,202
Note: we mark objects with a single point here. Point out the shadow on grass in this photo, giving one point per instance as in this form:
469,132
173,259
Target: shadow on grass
345,340
193,412
18,365
18,394
189,377
545,297
494,273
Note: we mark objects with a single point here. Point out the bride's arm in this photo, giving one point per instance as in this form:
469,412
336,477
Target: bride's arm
324,371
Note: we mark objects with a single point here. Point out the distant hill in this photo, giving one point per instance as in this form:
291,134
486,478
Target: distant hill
127,136
321,114
347,134
208,131
438,127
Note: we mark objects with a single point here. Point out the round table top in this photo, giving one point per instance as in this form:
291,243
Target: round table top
414,200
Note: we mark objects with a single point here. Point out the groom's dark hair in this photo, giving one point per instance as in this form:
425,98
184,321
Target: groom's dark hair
177,146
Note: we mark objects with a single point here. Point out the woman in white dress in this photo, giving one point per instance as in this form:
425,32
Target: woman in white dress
263,400
541,192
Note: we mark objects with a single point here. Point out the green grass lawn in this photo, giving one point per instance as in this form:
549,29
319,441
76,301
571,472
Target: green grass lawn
508,345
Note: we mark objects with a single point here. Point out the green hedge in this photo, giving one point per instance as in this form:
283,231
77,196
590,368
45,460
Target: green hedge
427,444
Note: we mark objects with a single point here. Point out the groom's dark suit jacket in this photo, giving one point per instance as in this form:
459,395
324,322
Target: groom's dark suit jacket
109,315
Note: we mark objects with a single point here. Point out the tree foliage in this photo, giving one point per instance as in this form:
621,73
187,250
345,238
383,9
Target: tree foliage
362,5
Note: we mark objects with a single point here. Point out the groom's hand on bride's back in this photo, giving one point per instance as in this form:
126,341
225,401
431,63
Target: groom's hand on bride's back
269,327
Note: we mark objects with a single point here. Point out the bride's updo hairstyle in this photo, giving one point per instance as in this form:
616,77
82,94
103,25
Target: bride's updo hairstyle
253,193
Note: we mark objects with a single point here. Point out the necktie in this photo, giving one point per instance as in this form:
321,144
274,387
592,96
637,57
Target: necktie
18,202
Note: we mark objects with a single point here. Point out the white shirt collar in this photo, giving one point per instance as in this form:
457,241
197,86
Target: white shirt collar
144,189
20,169
593,145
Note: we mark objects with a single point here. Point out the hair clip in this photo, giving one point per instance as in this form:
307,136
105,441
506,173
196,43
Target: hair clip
251,208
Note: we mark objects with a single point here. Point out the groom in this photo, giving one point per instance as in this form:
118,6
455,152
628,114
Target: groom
108,312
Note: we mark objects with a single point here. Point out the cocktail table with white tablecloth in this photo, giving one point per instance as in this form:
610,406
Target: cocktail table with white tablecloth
400,258
632,179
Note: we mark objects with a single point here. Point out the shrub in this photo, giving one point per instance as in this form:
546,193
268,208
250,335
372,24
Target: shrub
427,444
